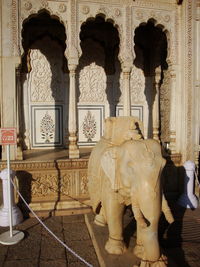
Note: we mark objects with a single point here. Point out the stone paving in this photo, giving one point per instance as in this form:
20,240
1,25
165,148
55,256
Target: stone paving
180,241
39,248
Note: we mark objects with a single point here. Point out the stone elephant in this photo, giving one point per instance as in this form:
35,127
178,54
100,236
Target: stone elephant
124,174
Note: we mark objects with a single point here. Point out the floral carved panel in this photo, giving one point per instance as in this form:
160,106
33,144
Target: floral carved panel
92,84
47,80
137,86
165,107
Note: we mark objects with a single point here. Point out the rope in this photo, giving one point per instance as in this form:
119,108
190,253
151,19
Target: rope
48,230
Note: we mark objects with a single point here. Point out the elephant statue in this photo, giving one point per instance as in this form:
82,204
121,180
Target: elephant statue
125,169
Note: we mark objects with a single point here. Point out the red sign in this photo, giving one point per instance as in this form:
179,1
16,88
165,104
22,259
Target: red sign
8,136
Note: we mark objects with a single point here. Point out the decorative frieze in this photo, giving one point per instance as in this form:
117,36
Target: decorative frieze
52,185
165,93
189,74
47,165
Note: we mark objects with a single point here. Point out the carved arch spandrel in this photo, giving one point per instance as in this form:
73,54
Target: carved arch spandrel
114,14
32,8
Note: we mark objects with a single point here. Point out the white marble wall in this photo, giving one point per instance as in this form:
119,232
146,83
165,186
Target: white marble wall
179,22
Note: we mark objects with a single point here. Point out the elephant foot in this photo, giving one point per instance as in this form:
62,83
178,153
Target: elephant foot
100,220
114,246
161,262
139,251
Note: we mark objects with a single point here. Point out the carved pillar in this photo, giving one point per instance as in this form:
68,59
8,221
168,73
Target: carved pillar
156,105
18,113
126,89
172,145
73,148
197,86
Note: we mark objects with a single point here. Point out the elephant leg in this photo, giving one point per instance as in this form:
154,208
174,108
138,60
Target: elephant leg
114,214
139,248
100,219
149,238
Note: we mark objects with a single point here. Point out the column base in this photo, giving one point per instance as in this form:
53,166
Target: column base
19,154
74,153
73,148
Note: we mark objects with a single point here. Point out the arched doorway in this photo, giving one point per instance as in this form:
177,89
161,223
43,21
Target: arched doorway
98,78
45,83
151,55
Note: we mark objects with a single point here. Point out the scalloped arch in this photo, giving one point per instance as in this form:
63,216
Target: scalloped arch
166,30
106,18
44,20
34,14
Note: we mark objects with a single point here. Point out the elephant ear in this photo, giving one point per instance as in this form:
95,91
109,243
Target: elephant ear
109,165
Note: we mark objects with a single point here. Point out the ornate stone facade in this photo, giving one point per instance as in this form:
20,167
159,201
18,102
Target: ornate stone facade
66,65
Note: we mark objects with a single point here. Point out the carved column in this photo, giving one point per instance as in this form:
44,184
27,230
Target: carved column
126,89
172,145
73,148
18,113
197,85
156,105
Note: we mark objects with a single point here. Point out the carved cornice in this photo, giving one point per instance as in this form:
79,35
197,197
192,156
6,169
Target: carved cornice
46,165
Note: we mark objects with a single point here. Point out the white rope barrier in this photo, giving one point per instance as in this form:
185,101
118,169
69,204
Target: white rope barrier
60,241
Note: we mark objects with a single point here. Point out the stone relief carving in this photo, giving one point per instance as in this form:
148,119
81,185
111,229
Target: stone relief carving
92,84
44,4
66,184
62,8
137,86
27,5
83,183
47,81
44,184
41,78
188,72
165,107
85,9
53,7
14,20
